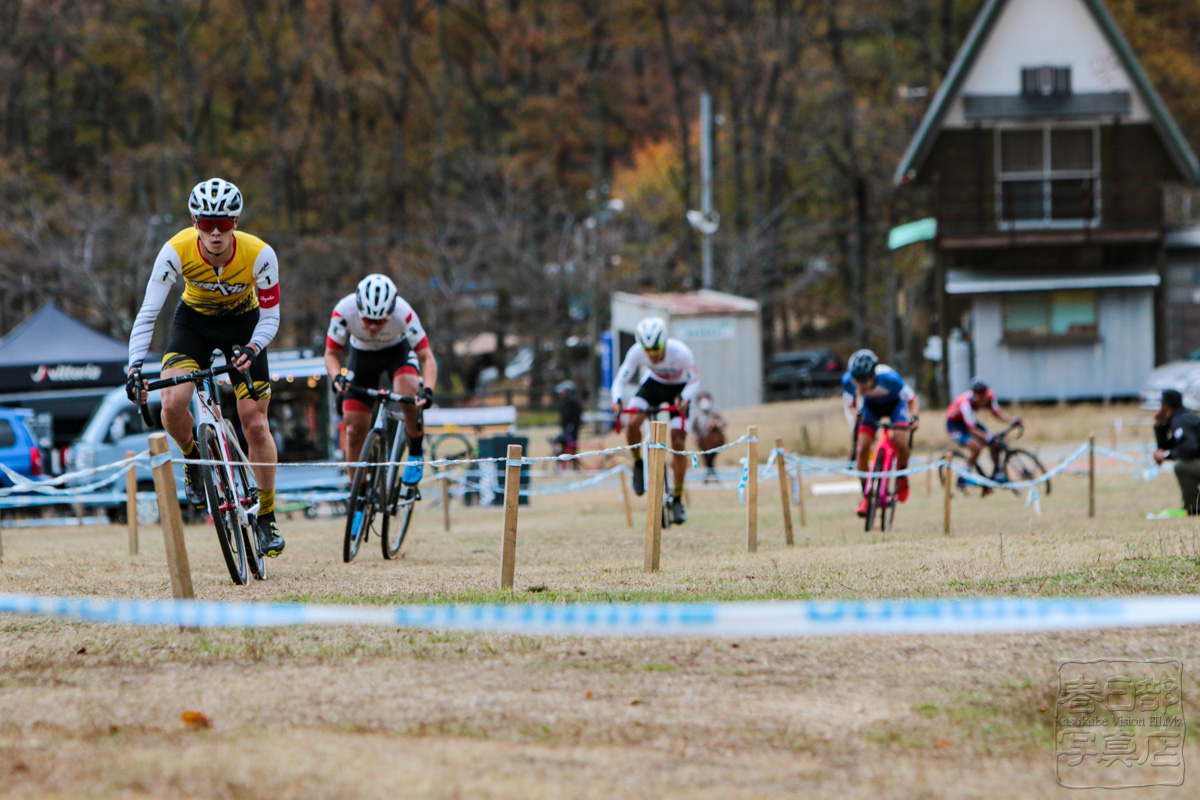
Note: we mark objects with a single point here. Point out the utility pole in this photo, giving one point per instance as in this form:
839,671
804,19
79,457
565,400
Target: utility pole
706,276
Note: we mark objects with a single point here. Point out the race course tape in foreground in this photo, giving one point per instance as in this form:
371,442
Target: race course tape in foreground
733,619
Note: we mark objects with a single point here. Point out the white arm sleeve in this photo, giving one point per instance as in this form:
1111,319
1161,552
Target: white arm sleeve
625,375
162,278
692,388
266,275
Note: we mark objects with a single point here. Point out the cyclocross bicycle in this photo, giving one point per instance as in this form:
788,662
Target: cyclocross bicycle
1016,464
376,493
230,491
668,489
880,490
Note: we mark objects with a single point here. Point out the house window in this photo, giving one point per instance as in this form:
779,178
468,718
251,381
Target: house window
1050,315
1045,81
1048,177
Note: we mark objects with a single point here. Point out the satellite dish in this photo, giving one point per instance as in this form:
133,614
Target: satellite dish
706,223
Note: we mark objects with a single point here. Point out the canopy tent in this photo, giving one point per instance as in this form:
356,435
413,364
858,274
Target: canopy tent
52,350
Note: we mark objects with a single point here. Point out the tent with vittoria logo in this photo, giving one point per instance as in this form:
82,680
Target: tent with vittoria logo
53,363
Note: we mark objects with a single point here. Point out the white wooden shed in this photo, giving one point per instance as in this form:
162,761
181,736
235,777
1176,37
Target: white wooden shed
723,331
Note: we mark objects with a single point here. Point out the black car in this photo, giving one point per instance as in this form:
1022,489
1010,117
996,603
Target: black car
804,373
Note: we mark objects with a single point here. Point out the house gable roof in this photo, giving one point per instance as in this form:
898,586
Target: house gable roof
922,142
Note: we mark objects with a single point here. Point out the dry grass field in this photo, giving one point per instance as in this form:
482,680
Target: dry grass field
98,711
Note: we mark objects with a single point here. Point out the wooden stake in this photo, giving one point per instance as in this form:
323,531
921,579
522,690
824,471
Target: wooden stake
512,498
172,522
656,463
752,490
800,494
625,499
948,489
783,494
131,504
928,483
1091,476
446,503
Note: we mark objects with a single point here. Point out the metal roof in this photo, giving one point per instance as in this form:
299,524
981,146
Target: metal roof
966,281
922,142
705,301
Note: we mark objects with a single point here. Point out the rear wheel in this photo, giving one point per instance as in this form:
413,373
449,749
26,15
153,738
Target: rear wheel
668,495
874,490
221,498
361,507
1022,465
391,537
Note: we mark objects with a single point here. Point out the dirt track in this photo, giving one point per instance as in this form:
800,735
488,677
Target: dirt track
90,710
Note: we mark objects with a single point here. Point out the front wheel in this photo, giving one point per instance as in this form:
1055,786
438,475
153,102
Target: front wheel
221,497
875,488
361,507
390,538
247,493
1022,465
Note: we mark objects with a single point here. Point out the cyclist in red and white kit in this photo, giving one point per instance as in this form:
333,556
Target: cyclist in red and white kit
964,427
671,379
386,338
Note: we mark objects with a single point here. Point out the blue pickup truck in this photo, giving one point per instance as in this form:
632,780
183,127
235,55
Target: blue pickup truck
19,449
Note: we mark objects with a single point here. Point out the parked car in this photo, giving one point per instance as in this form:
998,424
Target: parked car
804,373
19,450
1183,376
115,428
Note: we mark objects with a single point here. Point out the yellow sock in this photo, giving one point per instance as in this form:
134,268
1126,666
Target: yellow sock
190,450
677,492
266,502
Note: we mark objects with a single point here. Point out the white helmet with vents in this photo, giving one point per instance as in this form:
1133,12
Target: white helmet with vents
215,198
651,333
376,296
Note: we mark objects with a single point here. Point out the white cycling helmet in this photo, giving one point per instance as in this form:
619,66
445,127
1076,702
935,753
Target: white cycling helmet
651,333
376,296
215,198
862,364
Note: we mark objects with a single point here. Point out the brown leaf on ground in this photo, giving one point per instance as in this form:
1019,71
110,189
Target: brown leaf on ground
196,719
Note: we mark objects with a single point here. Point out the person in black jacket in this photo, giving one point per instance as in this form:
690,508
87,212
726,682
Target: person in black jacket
1177,431
570,418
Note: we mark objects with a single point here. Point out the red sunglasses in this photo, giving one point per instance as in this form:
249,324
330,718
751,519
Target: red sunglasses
223,224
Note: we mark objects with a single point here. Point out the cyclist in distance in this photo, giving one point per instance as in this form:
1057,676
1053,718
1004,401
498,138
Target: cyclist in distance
964,426
386,338
671,379
884,394
230,297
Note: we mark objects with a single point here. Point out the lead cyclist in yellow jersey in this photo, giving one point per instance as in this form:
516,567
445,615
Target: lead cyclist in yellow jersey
230,297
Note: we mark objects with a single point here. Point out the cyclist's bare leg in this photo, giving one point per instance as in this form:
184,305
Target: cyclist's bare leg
974,448
253,416
679,463
408,384
357,425
633,429
176,408
862,449
900,442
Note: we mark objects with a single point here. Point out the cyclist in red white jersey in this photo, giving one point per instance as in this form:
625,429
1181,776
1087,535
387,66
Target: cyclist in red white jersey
671,379
386,338
964,427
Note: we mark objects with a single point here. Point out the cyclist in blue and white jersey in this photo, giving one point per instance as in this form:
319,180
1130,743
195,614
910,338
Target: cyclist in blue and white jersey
671,379
883,394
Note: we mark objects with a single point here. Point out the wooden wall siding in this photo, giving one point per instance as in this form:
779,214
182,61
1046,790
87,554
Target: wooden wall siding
1134,165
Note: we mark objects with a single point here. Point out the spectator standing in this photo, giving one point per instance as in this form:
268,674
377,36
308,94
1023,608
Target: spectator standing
570,417
708,426
1177,432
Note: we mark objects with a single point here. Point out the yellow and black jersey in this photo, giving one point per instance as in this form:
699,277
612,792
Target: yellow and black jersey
249,281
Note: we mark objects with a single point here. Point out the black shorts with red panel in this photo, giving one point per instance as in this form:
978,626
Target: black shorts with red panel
367,369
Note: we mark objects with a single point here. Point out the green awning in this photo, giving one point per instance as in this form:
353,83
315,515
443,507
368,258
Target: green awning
912,232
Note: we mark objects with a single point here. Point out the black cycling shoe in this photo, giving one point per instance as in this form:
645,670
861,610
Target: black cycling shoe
192,484
639,480
269,541
678,513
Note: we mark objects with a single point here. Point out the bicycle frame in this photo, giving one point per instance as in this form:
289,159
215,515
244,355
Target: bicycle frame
209,415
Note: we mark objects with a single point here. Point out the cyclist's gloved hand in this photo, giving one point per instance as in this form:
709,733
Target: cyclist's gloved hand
243,357
133,385
425,397
340,384
1018,422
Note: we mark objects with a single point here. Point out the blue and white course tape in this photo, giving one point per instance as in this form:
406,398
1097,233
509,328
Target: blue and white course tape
733,620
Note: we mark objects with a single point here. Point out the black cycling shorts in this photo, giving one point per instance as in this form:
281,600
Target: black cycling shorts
195,337
655,393
366,369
